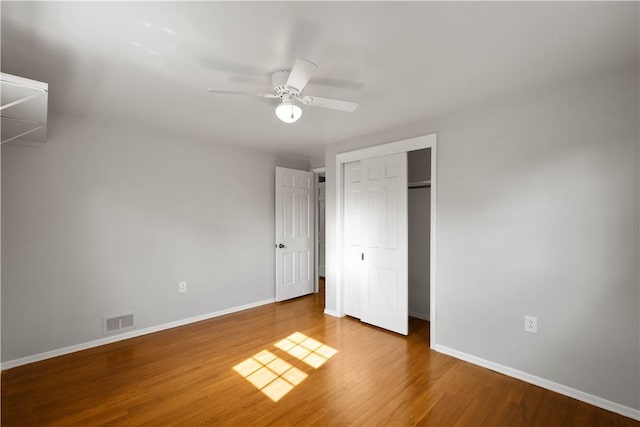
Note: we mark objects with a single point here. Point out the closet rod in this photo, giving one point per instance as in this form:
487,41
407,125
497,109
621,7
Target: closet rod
420,184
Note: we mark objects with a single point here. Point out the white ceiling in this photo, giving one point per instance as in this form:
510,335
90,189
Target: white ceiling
151,63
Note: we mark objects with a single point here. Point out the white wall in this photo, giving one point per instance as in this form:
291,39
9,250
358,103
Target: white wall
538,214
107,218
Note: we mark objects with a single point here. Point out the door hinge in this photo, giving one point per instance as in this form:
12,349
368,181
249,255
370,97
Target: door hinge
362,256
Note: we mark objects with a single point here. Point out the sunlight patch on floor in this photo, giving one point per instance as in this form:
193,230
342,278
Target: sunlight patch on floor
270,374
276,377
310,351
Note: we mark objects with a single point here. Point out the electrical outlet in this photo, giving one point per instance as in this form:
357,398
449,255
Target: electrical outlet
182,287
531,324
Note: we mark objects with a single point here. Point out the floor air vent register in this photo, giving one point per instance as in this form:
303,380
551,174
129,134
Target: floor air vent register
117,323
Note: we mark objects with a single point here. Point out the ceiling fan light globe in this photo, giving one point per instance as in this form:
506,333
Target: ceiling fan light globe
288,112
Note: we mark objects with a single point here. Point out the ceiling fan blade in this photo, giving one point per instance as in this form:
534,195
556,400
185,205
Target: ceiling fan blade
237,92
301,74
334,104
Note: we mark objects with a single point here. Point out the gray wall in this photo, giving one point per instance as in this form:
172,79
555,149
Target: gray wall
538,214
107,218
418,200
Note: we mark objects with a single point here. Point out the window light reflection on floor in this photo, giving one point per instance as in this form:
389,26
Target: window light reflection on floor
274,376
310,351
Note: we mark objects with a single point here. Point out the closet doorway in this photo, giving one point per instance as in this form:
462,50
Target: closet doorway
320,232
419,214
360,283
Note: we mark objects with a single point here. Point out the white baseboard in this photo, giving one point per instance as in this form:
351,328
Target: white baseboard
331,313
541,382
136,333
417,315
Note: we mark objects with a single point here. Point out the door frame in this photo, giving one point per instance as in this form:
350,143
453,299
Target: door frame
316,221
405,145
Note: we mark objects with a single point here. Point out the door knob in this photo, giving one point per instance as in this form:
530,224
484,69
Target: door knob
280,245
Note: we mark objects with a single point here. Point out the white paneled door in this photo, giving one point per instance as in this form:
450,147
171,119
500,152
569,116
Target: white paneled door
376,241
353,238
294,233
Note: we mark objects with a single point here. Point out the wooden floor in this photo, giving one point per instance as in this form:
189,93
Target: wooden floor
185,376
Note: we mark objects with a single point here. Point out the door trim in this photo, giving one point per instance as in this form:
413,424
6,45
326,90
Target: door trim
411,144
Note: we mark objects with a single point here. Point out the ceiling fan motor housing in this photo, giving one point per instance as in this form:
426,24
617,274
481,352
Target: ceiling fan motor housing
279,83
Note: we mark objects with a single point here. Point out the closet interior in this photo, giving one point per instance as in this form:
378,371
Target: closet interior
419,210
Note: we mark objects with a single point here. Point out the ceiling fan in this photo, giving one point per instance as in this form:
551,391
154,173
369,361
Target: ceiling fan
288,86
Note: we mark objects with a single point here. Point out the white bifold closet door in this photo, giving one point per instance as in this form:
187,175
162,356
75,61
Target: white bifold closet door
376,241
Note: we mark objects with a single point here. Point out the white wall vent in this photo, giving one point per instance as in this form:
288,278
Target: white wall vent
117,323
